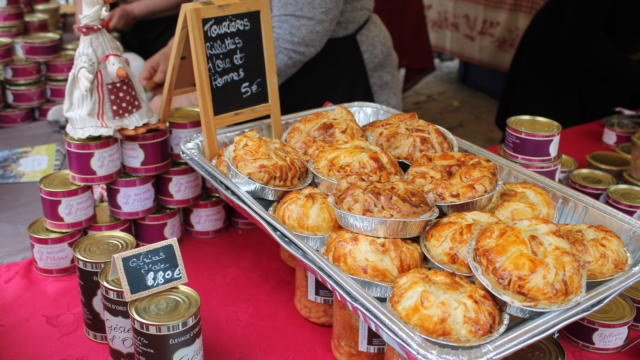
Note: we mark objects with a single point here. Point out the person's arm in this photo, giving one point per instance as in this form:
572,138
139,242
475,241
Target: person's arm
126,15
155,69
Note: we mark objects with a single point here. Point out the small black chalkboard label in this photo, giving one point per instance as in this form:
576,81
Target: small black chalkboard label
150,269
235,61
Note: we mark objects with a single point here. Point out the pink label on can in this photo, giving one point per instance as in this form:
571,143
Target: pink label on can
22,72
149,233
11,15
36,26
614,138
25,98
98,163
534,147
39,51
132,154
74,209
178,135
136,198
185,186
52,256
56,91
207,219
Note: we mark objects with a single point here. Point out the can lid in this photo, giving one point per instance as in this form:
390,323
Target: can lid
608,160
633,291
46,6
184,115
104,216
624,149
534,124
567,163
170,306
37,37
103,277
627,194
592,178
621,122
5,41
545,349
58,181
89,140
64,55
35,17
70,45
101,246
160,211
630,179
37,229
616,311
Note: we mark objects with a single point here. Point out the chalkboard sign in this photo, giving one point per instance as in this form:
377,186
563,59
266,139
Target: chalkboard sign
149,269
235,61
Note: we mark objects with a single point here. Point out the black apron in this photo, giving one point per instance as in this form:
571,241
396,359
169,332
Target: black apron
336,74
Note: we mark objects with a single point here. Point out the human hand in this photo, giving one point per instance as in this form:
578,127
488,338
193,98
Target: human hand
122,18
155,70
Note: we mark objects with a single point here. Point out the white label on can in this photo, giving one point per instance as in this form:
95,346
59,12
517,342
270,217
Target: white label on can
185,186
208,219
555,144
610,338
368,340
9,96
637,215
609,136
119,333
52,256
136,198
173,229
132,154
107,161
317,292
8,71
97,304
194,351
76,208
177,135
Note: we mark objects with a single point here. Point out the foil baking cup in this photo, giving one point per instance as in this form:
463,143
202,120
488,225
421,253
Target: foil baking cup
383,227
315,241
325,184
376,289
478,203
515,307
425,251
254,188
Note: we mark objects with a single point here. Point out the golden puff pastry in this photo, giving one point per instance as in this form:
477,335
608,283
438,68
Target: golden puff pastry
529,263
323,129
372,258
600,249
356,158
307,211
521,200
406,137
447,240
453,176
268,161
395,199
444,305
220,162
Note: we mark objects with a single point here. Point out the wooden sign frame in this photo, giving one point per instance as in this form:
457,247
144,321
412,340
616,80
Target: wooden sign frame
181,70
117,264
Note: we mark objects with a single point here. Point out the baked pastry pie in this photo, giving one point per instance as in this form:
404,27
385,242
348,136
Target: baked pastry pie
268,161
453,176
307,211
444,305
521,200
219,161
406,137
356,158
372,258
530,263
447,240
395,199
323,129
599,248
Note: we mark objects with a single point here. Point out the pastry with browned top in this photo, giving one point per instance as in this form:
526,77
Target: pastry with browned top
522,200
454,176
444,305
447,240
268,161
307,211
219,161
406,137
601,250
395,199
530,263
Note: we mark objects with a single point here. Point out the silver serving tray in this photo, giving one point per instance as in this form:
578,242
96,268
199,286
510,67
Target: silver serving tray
573,207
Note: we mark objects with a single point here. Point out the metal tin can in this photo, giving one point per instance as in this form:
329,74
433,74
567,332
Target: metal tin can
624,150
567,165
532,138
107,222
240,221
545,349
604,330
312,299
66,206
22,71
36,23
94,160
591,182
183,122
131,197
625,198
549,170
618,129
628,179
52,11
206,218
27,5
52,251
10,3
116,317
10,15
11,30
25,96
146,154
180,186
634,169
608,161
42,111
633,294
38,47
59,67
6,51
55,90
163,224
166,325
13,117
92,253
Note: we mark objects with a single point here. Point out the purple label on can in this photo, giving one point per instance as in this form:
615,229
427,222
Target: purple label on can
138,156
532,146
172,189
56,90
25,97
69,213
594,338
99,162
131,202
39,51
149,233
613,138
549,171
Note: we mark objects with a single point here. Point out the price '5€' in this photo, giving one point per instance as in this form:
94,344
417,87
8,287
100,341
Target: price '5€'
156,278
